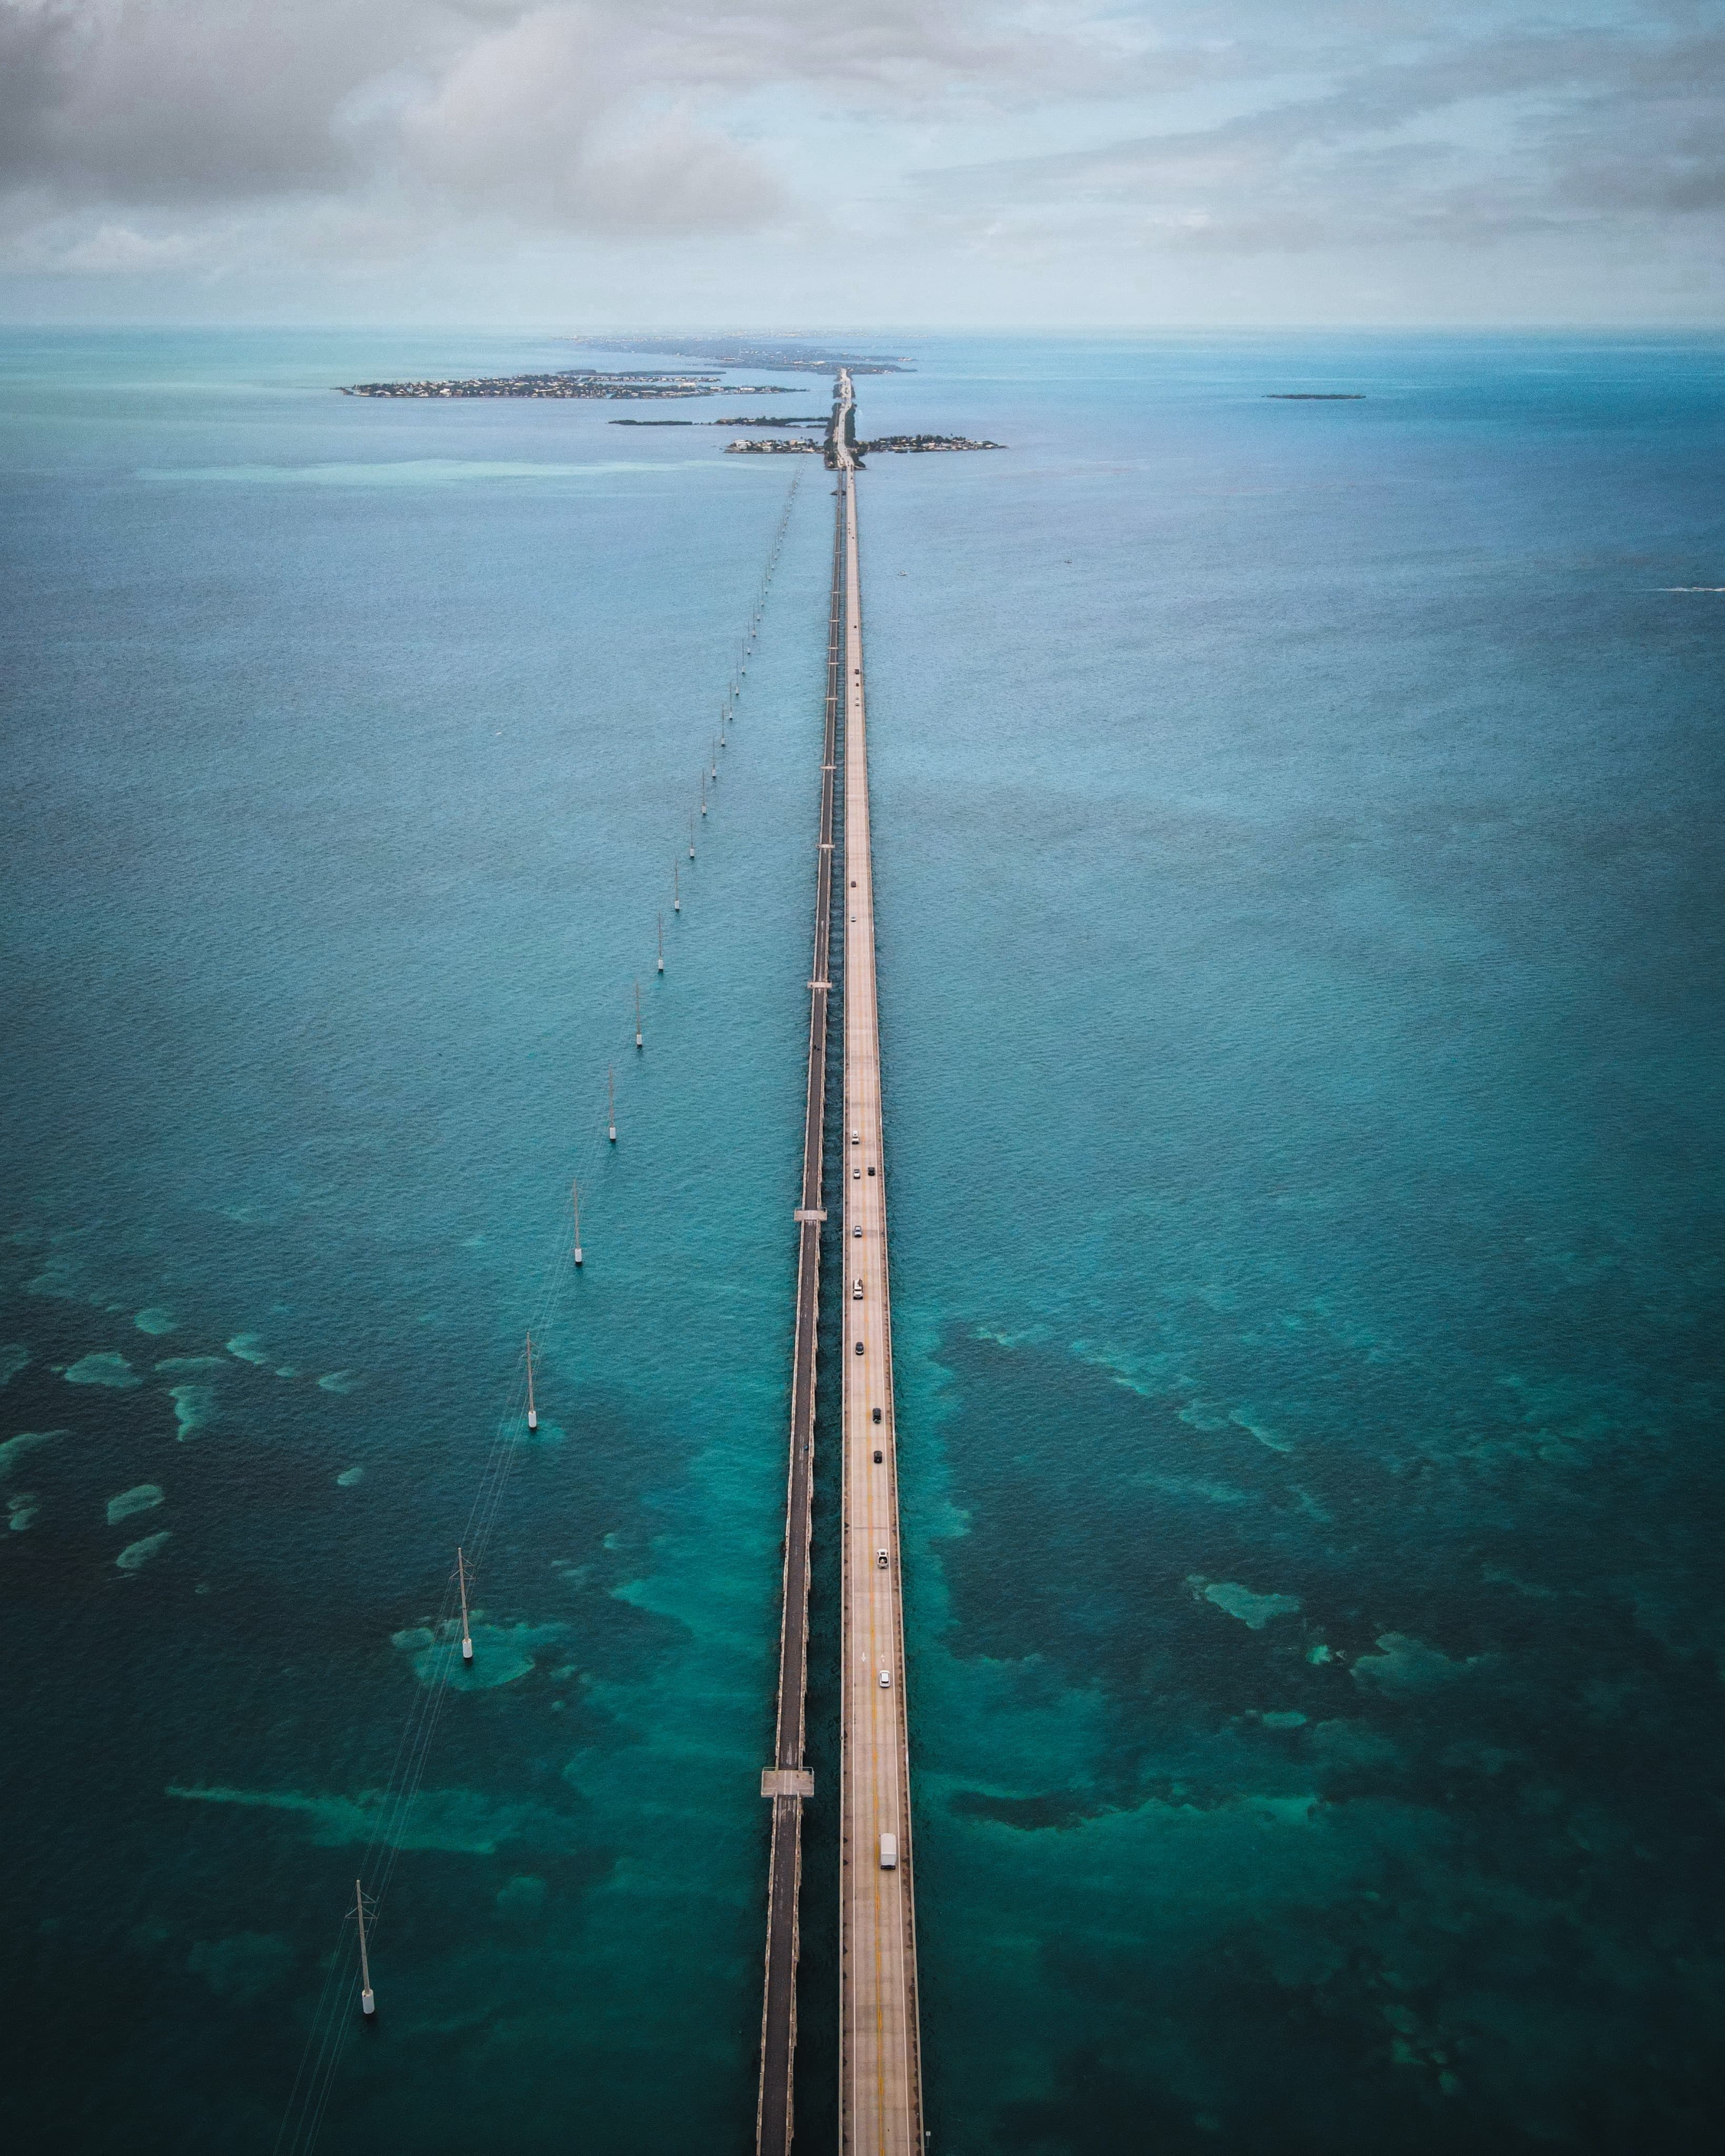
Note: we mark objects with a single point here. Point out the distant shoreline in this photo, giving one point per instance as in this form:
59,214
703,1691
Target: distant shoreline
577,382
720,352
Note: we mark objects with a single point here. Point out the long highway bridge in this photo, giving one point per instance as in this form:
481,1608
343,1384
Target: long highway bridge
880,2067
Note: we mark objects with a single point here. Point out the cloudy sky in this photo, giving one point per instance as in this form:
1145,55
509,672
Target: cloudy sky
801,162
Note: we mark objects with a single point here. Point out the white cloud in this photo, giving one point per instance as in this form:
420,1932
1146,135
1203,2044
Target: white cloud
547,118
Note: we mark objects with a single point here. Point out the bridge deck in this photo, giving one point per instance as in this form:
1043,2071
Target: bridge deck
880,2097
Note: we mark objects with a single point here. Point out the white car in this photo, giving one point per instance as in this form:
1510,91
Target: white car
856,1293
880,1560
885,1678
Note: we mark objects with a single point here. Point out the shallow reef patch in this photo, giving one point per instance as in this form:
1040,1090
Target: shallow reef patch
459,1822
194,1408
1406,1665
1252,1609
136,1555
145,1497
501,1654
27,1441
104,1369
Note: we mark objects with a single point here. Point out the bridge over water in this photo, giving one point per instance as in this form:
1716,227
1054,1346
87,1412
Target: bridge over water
880,2098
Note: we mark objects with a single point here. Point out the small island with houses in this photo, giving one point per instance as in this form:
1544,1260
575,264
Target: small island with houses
910,444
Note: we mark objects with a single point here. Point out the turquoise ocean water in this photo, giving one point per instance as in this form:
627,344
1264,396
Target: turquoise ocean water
1300,891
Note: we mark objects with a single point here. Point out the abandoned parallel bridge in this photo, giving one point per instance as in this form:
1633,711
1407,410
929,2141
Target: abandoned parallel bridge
879,2089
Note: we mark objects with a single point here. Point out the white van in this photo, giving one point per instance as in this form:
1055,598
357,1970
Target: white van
889,1852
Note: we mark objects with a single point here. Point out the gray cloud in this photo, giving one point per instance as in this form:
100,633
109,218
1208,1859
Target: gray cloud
1489,136
547,118
166,101
143,138
564,112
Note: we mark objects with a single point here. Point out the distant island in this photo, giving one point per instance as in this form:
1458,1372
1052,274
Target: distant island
720,352
917,444
1316,396
914,444
577,382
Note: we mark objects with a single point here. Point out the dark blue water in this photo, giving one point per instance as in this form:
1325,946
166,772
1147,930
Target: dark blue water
1296,852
